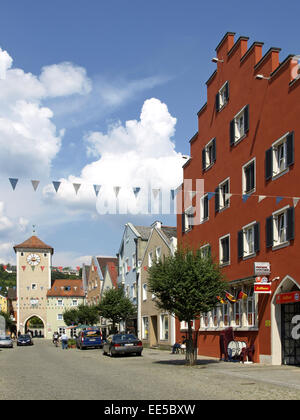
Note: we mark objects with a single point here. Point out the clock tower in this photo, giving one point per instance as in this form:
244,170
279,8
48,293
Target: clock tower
34,260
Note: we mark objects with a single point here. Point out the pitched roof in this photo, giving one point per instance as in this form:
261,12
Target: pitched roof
113,272
169,231
33,243
66,288
103,261
144,231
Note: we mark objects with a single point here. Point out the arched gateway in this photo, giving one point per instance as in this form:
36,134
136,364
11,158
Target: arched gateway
34,259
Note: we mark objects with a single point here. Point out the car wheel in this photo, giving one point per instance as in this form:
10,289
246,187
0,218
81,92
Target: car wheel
139,354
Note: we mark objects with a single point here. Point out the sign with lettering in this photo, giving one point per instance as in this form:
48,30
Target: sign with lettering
290,297
262,287
262,269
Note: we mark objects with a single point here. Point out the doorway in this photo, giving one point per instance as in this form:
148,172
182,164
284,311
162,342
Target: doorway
153,332
290,339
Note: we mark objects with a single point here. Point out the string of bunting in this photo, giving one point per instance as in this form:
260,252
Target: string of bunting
156,191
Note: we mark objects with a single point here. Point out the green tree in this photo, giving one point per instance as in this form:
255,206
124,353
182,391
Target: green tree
87,315
186,284
116,307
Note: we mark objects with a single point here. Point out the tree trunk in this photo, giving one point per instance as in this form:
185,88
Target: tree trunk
190,353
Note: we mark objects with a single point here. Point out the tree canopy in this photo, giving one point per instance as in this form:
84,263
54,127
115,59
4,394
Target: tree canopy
186,284
84,315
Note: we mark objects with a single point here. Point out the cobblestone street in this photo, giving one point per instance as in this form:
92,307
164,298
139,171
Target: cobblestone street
46,372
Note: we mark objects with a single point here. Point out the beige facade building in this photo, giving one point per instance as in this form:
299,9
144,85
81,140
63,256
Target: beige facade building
64,294
3,304
33,281
96,278
157,328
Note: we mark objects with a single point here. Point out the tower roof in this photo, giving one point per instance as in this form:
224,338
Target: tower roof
33,243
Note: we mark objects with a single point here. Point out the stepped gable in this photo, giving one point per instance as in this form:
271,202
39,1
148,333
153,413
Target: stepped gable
33,243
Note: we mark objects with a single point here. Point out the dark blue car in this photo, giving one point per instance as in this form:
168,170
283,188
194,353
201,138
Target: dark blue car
90,337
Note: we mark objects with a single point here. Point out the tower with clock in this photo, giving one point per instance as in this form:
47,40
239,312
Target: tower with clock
34,260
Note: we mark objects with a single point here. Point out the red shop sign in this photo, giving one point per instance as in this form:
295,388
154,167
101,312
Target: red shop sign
262,287
290,297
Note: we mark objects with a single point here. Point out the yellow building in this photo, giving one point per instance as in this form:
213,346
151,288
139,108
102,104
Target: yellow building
3,304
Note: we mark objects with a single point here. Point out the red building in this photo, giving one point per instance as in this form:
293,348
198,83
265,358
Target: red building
247,151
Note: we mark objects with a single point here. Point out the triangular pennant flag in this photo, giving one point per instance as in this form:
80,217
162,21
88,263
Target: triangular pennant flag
35,184
261,198
77,268
32,267
13,182
4,267
155,192
278,199
97,189
76,187
295,201
117,190
172,194
245,197
42,267
23,267
136,191
210,195
56,185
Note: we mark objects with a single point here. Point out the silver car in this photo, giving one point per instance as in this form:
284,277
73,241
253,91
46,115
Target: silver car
122,344
6,341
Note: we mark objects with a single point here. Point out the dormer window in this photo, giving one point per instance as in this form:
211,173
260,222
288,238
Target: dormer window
222,97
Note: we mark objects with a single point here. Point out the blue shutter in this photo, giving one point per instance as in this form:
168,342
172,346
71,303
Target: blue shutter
269,164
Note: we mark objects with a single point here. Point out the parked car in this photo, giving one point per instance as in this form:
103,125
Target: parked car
6,341
89,337
24,340
122,344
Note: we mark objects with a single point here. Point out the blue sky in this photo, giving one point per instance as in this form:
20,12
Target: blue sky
124,52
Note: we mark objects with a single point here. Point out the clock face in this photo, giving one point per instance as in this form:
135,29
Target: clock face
33,259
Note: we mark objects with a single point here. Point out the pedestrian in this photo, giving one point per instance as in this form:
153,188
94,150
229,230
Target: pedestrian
175,348
64,341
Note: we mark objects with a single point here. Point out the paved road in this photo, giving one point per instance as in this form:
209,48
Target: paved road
46,372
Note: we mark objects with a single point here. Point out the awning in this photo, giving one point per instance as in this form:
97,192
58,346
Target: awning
290,297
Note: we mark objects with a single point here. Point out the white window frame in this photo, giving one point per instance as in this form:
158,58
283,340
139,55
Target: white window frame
244,178
144,291
239,132
222,196
276,170
222,99
247,252
76,302
202,200
208,154
163,329
203,250
278,230
60,302
34,286
126,265
60,317
150,259
134,261
189,214
158,253
221,251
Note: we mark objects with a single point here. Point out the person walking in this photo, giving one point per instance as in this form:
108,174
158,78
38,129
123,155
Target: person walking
64,341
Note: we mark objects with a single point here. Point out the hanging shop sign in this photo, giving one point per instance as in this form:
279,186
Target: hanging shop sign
262,269
262,287
290,297
262,279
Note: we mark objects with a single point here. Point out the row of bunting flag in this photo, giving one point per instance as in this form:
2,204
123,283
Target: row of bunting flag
173,192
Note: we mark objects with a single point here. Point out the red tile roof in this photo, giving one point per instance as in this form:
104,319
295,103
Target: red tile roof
66,288
34,243
103,261
113,272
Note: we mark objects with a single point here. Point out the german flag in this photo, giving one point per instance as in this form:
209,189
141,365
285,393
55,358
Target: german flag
221,299
242,295
230,297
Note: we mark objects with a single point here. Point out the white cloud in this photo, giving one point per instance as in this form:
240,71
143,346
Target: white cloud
131,155
65,79
5,63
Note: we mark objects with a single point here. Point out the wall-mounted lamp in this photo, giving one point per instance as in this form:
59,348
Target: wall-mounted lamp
261,76
217,60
